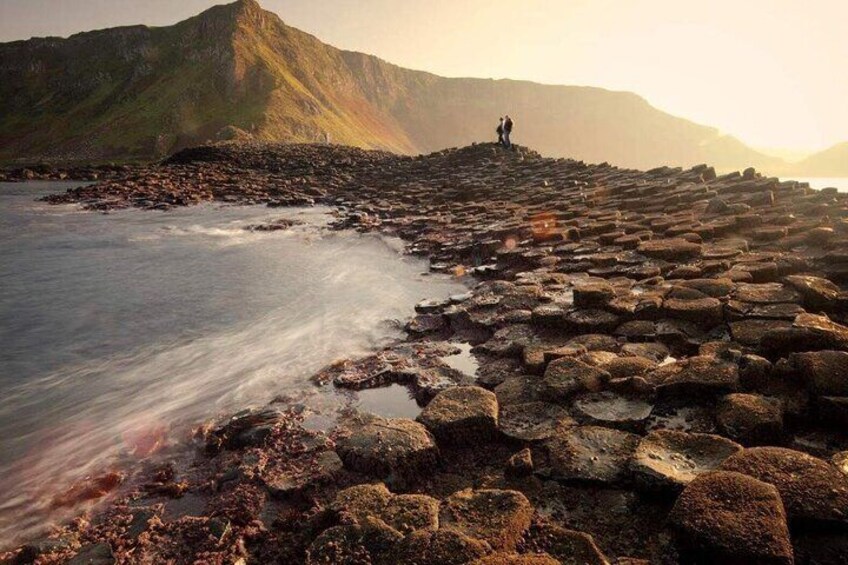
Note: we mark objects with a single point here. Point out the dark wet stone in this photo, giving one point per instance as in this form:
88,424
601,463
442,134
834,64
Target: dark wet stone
669,460
324,468
397,448
94,554
591,321
814,492
462,415
751,419
533,421
497,517
590,453
566,377
517,390
726,517
612,410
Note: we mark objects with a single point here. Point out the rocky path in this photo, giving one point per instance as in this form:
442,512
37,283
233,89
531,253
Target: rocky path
663,374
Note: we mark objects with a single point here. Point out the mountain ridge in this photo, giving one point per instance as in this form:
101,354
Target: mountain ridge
238,71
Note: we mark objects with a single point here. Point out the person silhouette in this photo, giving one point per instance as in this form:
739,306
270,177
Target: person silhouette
500,132
507,127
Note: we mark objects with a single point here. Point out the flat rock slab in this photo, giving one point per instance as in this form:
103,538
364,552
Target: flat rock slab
825,373
590,453
703,374
612,410
767,293
669,460
533,421
567,376
814,491
462,415
516,559
726,517
706,312
809,332
497,517
397,447
750,419
670,249
405,512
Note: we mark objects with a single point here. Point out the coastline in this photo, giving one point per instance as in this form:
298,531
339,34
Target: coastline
609,299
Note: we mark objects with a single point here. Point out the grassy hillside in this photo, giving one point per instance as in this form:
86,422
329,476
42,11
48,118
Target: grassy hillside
239,71
832,162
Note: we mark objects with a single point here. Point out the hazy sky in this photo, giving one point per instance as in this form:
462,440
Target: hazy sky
772,72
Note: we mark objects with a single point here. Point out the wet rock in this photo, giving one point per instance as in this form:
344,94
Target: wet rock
397,448
726,517
769,293
369,542
701,375
567,546
612,410
444,546
814,492
405,513
517,390
591,321
840,461
751,419
244,429
669,460
533,421
715,288
94,554
566,377
462,415
294,481
590,453
497,517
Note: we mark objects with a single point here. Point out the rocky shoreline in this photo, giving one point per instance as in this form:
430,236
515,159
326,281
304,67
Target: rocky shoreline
663,374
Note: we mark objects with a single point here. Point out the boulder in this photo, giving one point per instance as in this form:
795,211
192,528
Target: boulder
369,542
567,376
625,367
533,421
405,512
825,373
590,453
814,492
497,517
723,517
817,294
462,415
751,419
809,332
520,464
669,460
398,448
444,546
706,312
567,546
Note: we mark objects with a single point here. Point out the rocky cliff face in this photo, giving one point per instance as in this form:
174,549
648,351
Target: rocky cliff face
237,71
832,162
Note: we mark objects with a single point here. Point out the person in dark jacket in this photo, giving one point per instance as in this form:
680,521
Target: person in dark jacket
500,132
507,127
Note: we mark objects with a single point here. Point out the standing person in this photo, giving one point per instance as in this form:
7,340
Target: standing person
507,127
500,132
